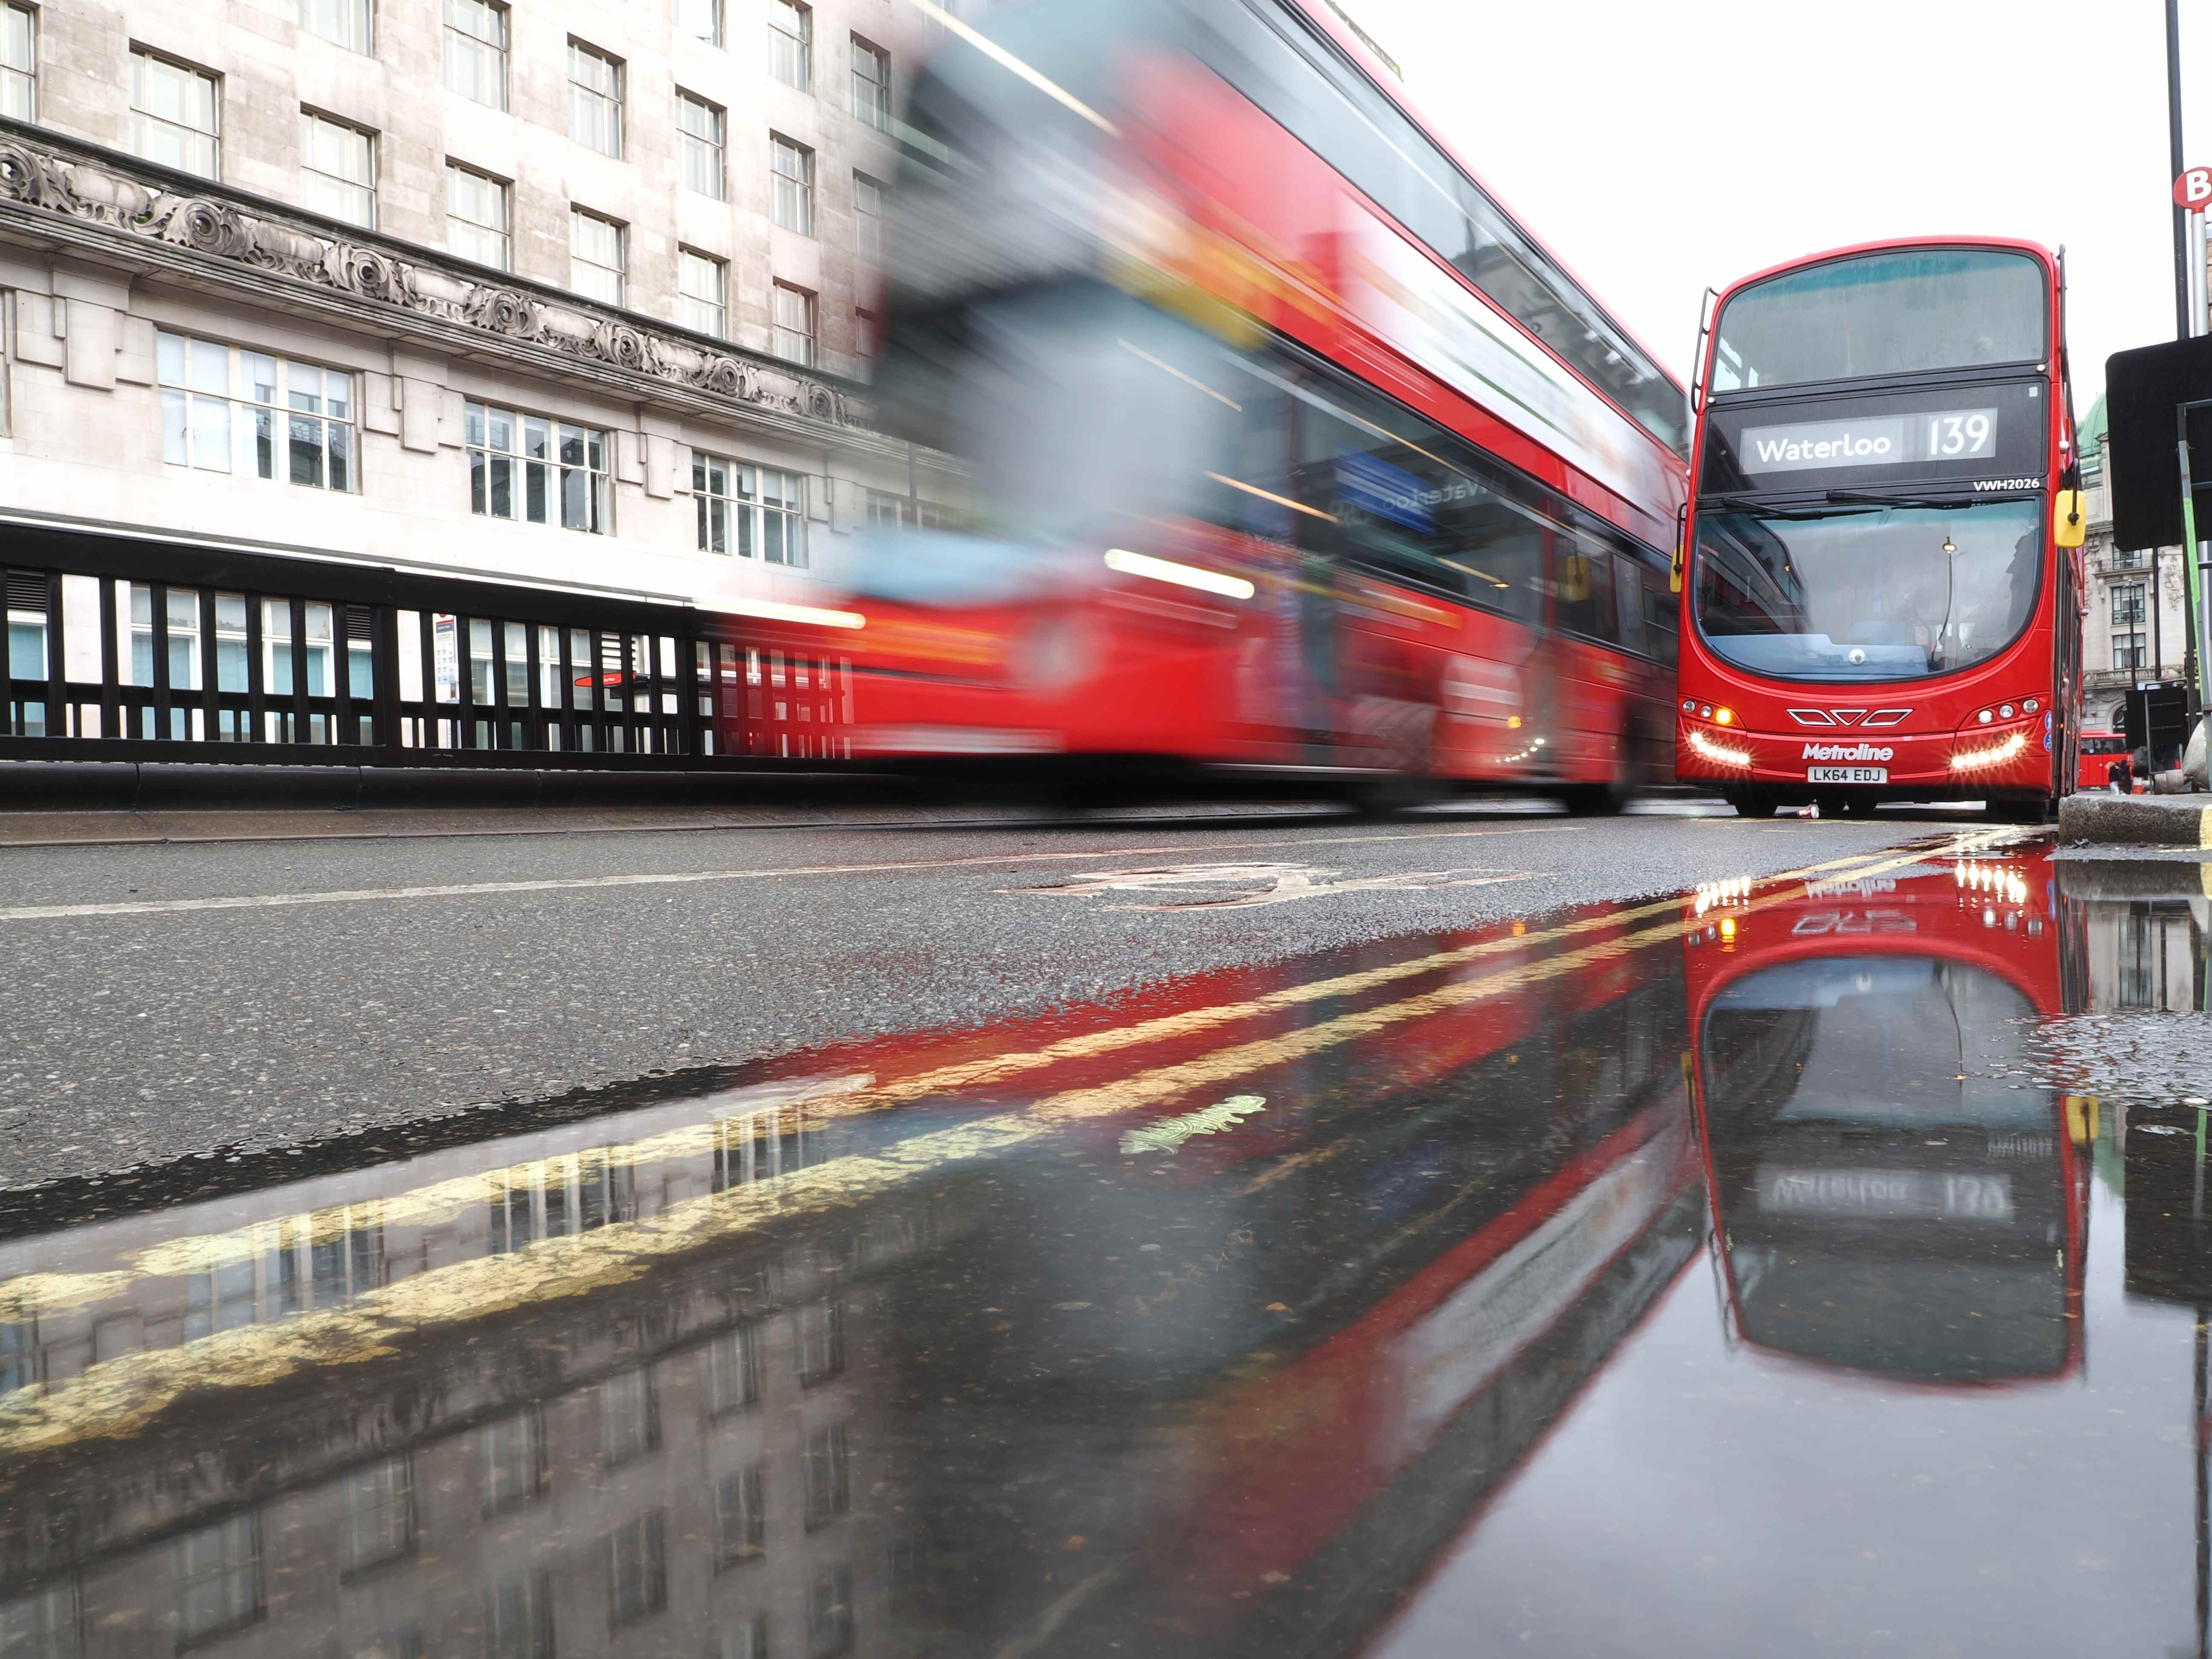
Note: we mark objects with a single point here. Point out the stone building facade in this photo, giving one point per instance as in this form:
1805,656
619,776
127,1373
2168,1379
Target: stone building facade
579,295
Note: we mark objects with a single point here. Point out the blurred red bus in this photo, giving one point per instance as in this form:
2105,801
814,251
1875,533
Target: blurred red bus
1883,601
1293,453
1888,1198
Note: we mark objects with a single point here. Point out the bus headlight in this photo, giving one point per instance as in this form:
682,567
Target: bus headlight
1719,753
1996,754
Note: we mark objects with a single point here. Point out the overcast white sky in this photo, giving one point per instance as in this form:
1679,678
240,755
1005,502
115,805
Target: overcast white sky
1662,146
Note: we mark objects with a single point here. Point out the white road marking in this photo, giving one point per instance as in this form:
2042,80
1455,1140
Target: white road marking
1285,883
674,878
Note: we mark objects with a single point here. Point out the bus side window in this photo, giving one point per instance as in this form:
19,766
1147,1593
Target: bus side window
1628,603
1659,623
1583,587
1500,551
1372,500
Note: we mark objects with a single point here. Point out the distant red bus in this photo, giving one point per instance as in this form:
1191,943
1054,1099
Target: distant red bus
1883,543
1887,1200
2100,751
1293,453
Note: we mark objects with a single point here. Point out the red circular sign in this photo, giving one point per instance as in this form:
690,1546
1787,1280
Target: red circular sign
2193,189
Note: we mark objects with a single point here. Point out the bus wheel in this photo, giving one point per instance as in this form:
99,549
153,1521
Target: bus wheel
1752,804
2021,812
1608,799
1588,800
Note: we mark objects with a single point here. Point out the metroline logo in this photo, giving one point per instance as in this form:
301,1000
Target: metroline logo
1850,752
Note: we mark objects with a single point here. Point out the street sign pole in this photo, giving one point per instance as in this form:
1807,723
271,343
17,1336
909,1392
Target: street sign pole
2192,199
2193,663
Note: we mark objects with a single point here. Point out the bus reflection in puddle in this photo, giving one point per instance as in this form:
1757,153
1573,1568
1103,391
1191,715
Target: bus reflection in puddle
1891,1196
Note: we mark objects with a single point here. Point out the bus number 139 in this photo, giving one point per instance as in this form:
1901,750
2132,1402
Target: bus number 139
1959,434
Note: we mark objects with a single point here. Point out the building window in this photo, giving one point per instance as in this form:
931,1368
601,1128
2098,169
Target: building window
2127,626
795,323
511,1455
753,512
746,1638
700,125
740,1518
887,512
702,285
44,1625
700,19
733,1358
871,85
342,22
821,1342
793,168
229,410
476,50
829,1614
637,1569
19,64
520,465
867,220
175,114
868,334
477,217
378,1524
629,1415
337,170
595,256
791,43
218,1577
828,1476
594,99
518,1617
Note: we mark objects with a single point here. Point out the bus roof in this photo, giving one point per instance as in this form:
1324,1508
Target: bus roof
1890,244
1325,18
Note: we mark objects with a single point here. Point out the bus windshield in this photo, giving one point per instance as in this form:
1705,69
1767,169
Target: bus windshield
1881,315
1869,593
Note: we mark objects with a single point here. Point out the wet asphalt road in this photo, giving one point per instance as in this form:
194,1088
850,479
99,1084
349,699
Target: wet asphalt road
153,1027
1791,1266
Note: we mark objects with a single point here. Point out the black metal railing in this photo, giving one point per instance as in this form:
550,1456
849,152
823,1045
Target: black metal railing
127,650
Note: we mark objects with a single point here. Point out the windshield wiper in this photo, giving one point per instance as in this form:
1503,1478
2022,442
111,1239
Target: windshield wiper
1752,504
1888,498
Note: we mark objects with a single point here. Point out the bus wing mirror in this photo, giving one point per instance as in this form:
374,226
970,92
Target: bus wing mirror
2070,519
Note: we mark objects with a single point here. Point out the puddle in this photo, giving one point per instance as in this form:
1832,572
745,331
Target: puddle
1711,1273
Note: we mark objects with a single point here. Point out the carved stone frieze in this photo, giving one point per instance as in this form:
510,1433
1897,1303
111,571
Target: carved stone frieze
95,193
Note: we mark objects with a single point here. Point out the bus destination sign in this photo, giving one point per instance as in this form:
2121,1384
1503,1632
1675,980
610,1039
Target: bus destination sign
1967,435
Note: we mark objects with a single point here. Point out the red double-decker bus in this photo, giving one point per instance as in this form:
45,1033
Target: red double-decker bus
1293,451
1880,602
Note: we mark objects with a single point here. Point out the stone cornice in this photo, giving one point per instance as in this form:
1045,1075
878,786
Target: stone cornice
97,201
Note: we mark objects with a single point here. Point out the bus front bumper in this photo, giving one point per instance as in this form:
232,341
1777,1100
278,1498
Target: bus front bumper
2013,759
